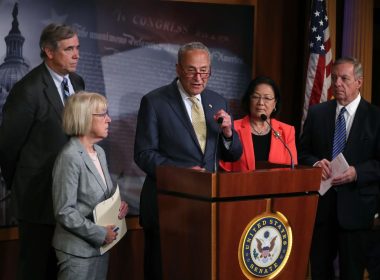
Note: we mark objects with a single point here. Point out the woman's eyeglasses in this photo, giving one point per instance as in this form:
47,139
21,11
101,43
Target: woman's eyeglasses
265,99
103,115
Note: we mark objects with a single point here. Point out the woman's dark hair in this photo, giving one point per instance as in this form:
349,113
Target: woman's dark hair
245,102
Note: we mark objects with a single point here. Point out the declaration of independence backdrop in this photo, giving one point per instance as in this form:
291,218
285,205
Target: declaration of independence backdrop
127,49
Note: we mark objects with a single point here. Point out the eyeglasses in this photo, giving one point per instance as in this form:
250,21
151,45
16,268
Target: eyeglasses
265,99
190,73
103,115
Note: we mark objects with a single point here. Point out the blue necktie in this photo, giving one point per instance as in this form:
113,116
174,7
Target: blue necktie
65,89
339,134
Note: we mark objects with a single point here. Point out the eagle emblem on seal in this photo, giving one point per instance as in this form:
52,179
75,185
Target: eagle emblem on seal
265,247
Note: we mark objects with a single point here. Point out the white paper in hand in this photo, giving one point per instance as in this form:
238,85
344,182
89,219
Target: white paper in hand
106,213
339,165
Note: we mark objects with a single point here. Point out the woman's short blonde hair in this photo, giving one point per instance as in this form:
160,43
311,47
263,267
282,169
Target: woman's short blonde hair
77,115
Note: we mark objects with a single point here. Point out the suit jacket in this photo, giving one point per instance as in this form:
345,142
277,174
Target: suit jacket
357,202
277,153
31,136
77,189
165,136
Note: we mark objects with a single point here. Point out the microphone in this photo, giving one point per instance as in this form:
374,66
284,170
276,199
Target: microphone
216,163
264,118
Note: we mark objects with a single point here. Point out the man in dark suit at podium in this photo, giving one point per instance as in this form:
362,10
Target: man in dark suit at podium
31,136
177,125
347,212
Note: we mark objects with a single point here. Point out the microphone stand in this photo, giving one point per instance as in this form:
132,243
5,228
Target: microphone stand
278,136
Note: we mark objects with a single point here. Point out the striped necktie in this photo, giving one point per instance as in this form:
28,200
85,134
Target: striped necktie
198,121
339,134
65,89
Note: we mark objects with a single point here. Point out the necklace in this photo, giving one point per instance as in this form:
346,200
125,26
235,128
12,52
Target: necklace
257,132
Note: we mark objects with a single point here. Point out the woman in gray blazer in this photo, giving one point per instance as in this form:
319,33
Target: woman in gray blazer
80,181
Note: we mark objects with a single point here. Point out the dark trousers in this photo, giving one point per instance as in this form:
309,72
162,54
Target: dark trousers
152,255
324,245
37,258
358,250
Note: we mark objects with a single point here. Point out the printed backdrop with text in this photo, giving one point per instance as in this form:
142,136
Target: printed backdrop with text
129,48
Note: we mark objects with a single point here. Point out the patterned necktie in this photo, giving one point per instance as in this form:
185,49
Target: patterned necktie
339,134
65,89
199,122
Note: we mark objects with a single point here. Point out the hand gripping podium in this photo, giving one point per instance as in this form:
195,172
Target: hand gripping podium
229,226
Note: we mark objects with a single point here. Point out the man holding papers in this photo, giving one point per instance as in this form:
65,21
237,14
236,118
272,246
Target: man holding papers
348,210
80,182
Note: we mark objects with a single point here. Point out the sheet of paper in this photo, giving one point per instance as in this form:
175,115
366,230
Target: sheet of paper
106,213
338,166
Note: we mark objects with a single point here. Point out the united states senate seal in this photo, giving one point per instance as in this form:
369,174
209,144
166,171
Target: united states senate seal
265,246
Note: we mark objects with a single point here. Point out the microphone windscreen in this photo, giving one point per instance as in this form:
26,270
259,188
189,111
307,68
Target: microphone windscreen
220,120
263,117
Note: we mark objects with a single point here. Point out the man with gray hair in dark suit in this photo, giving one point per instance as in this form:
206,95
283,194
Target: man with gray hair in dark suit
348,212
177,125
31,136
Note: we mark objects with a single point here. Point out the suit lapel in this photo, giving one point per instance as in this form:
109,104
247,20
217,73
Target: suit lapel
103,164
51,91
329,126
212,126
354,136
176,103
246,136
276,150
76,82
90,165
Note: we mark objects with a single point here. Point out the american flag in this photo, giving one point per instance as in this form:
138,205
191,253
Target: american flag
318,81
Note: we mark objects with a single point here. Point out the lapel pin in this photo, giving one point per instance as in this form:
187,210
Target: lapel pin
210,105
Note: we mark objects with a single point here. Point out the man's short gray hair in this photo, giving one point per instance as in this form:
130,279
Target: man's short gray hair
192,46
358,69
52,34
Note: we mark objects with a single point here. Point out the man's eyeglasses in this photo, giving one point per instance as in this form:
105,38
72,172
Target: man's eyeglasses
103,115
265,99
190,73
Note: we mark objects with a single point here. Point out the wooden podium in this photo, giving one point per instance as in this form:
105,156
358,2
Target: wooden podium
204,215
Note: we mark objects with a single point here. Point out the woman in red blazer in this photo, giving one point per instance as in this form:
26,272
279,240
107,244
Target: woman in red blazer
259,142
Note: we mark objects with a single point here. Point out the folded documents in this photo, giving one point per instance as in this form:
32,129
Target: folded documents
106,213
339,165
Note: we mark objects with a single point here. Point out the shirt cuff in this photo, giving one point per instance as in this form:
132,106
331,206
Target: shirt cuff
227,142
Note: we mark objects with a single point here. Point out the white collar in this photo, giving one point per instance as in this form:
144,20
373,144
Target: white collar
351,107
184,94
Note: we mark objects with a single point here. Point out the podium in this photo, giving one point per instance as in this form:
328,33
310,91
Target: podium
204,219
